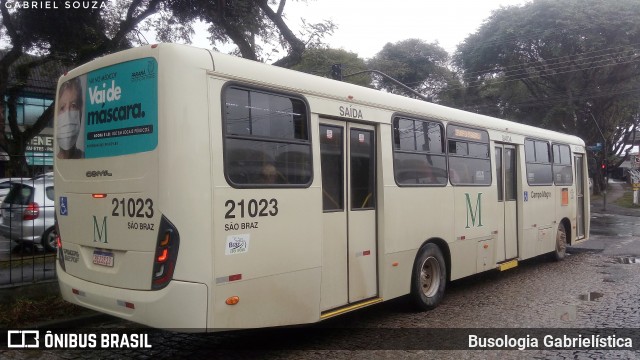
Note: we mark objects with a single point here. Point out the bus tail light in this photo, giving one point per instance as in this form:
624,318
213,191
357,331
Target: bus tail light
60,254
31,212
163,257
164,261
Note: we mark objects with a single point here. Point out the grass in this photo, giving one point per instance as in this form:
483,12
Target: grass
24,311
18,261
626,201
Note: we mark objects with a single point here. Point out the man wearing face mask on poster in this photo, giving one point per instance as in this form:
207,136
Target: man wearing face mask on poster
69,106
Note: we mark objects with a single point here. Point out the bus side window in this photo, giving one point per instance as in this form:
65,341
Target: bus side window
266,139
538,162
418,152
562,170
468,156
453,175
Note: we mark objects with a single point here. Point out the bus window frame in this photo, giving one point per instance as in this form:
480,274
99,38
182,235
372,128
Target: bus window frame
223,118
342,176
536,162
442,154
372,180
561,165
486,137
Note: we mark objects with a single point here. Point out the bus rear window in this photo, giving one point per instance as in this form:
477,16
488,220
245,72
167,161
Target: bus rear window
266,139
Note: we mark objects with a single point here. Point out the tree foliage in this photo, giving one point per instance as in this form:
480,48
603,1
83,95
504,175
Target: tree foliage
319,61
563,65
419,65
252,25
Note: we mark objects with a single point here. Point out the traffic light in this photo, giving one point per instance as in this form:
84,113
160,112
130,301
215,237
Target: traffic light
603,169
336,71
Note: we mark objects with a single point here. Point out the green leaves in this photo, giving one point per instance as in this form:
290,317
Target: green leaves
318,61
421,66
557,63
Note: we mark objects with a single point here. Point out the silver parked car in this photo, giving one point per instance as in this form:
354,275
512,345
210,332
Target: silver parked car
28,213
5,185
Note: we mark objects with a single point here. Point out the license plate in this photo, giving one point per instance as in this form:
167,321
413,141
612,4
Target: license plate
103,258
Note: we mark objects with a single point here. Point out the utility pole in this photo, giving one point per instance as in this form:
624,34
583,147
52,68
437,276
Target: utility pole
606,165
336,71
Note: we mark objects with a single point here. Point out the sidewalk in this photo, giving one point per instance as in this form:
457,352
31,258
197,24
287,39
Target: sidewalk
616,191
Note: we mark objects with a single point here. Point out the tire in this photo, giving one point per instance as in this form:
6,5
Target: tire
561,243
49,239
429,277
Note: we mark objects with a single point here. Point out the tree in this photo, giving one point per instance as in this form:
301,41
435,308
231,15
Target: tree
415,63
319,61
560,65
248,23
68,37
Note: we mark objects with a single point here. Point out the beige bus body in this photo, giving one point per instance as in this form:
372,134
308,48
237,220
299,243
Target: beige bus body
297,264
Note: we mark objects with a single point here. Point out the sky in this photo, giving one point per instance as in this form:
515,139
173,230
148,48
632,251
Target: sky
365,26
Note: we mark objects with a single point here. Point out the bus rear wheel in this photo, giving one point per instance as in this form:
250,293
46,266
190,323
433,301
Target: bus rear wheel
561,243
429,277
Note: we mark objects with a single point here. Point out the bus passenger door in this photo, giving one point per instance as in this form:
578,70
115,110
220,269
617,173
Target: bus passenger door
349,264
579,181
506,173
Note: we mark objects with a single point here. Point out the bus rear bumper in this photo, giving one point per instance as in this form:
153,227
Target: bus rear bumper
181,306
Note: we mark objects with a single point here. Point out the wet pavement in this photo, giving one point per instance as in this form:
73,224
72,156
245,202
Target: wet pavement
616,230
585,292
614,225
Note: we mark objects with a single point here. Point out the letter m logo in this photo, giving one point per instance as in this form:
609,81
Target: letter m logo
100,232
475,213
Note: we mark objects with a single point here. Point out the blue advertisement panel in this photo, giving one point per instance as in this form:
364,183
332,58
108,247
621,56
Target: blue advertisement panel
115,109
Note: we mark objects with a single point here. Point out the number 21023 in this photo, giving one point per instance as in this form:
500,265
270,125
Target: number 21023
251,208
139,208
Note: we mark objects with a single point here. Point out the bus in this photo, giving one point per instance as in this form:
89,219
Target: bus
201,191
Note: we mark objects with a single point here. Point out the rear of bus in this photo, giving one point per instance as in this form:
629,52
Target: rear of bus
122,212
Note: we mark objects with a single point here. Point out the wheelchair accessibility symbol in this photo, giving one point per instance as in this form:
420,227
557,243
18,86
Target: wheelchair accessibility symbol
64,210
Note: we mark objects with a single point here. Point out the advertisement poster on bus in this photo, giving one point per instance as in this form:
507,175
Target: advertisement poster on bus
109,112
